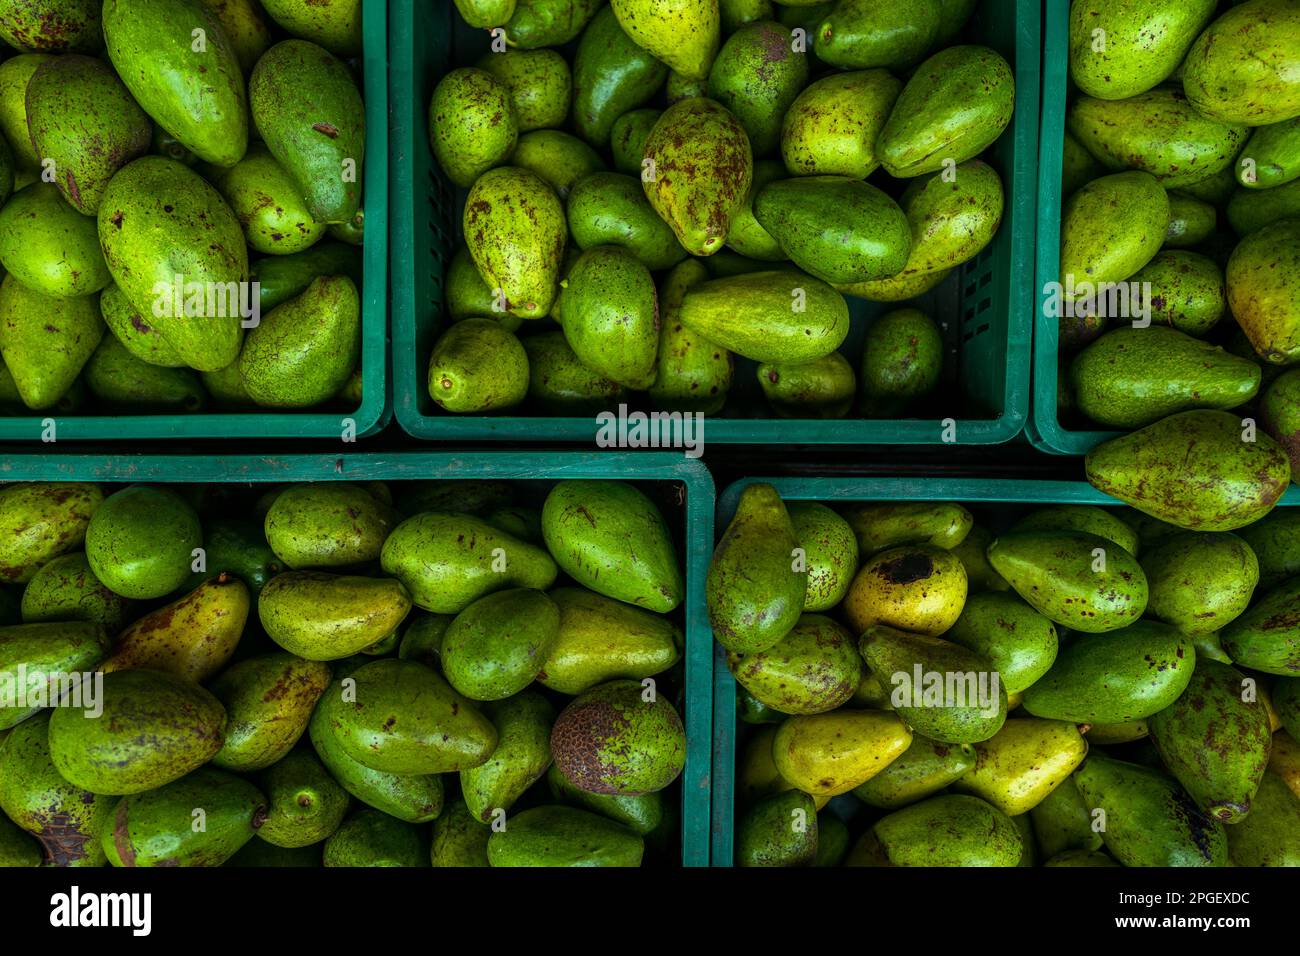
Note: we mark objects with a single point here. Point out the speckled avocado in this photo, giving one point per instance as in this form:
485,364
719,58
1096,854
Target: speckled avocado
45,653
65,589
833,126
813,669
268,204
49,246
39,521
919,588
619,738
683,33
951,221
327,524
268,701
600,639
45,342
1112,227
154,728
497,646
947,830
520,758
324,617
1240,69
563,836
1263,276
925,768
472,124
140,542
613,315
1142,47
303,803
757,74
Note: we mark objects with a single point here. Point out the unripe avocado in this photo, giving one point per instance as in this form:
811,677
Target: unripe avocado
947,830
612,75
1239,70
830,551
643,813
497,646
520,758
600,639
1187,289
553,836
154,728
158,828
39,522
372,838
627,139
1200,582
306,107
447,561
120,380
683,33
609,209
303,351
757,75
1266,637
39,660
325,617
303,803
459,839
619,738
902,357
1020,643
833,126
925,768
1263,277
955,105
541,23
65,589
1249,211
1191,221
327,524
1144,45
400,717
45,342
756,589
813,669
1112,227
49,246
139,337
195,91
878,527
869,33
1274,151
334,24
1268,837
268,204
559,158
608,536
692,373
66,819
700,172
613,310
140,542
472,124
561,384
780,830
951,220
268,701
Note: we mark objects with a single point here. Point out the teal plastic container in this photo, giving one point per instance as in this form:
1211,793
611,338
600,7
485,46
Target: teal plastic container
690,495
1044,428
987,496
984,309
375,407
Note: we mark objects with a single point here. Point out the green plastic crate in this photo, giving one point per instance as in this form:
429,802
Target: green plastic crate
1044,427
696,537
985,306
982,492
268,423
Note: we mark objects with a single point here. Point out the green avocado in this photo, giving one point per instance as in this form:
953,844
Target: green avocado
559,158
951,220
947,830
140,338
160,827
122,380
539,83
66,819
642,813
1020,643
896,34
813,669
746,236
839,229
153,729
15,73
268,700
415,798
561,384
1078,166
195,91
472,124
1263,278
821,389
49,246
619,738
467,295
609,537
693,374
334,24
1158,132
757,74
1131,377
110,129
1239,68
954,106
902,358
1148,819
1268,837
40,521
783,315
833,127
925,768
39,662
245,28
521,756
447,561
327,524
1062,823
238,548
1191,221
326,617
540,23
1200,582
303,803
1277,413
478,366
879,527
268,204
1267,636
65,589
1249,210
1187,290
306,107
177,252
600,639
140,543
459,839
830,550
612,75
1237,481
683,33
551,836
1274,154
700,170
1121,48
1275,541
280,278
610,209
613,311
497,646
779,830
980,575
400,717
303,351
1125,675
1102,522
755,589
515,229
1111,228
627,139
45,342
372,838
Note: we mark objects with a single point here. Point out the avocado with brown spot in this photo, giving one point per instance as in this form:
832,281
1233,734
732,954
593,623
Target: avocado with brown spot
1144,45
1200,582
1267,636
902,358
1263,276
779,830
1111,228
65,589
303,803
757,74
830,550
139,337
472,124
1187,289
123,381
951,220
601,639
40,521
925,768
269,205
833,127
324,617
919,588
1239,70
946,830
269,700
497,646
896,34
813,669
49,246
327,524
520,758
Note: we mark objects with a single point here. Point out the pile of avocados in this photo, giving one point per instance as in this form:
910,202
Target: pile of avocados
180,206
657,189
449,673
1181,184
1082,686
